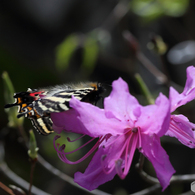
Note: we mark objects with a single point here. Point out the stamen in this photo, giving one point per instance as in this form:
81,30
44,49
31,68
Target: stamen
182,135
139,139
57,137
108,170
62,154
62,147
118,166
130,153
75,139
65,153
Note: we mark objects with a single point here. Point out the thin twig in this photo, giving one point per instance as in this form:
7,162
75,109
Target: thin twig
18,180
147,177
14,177
134,44
174,179
162,78
148,190
33,163
6,189
25,185
183,178
188,193
65,177
144,175
119,11
140,164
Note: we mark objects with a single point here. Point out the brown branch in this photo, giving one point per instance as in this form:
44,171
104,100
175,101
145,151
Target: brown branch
33,163
6,189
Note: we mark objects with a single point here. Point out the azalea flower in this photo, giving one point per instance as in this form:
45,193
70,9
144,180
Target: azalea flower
180,127
121,127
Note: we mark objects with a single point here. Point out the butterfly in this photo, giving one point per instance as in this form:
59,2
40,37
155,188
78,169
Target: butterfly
37,104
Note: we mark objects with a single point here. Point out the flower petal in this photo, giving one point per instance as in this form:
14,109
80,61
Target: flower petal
155,118
152,149
102,167
94,175
120,103
87,119
182,129
188,93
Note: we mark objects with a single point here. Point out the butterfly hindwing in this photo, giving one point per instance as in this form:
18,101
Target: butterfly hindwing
59,101
42,124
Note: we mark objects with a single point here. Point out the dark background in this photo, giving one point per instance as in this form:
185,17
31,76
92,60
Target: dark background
44,43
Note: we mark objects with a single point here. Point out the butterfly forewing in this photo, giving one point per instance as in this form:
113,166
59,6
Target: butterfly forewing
59,101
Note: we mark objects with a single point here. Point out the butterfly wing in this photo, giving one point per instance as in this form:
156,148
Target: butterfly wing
59,101
38,104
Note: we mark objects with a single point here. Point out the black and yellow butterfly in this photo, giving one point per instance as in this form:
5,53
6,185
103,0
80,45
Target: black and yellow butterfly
37,104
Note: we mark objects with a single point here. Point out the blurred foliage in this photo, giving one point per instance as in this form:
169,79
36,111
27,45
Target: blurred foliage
33,149
157,45
144,89
65,50
8,95
90,53
150,10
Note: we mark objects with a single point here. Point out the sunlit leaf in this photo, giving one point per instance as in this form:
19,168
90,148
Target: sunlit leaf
65,50
175,8
152,9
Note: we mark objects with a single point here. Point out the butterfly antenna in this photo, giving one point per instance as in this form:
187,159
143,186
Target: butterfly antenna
22,114
10,105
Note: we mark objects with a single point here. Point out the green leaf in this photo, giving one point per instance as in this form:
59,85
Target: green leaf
147,9
174,8
8,95
144,89
90,53
64,52
153,9
33,149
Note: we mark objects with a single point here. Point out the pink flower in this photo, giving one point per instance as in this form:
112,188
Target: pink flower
180,127
122,126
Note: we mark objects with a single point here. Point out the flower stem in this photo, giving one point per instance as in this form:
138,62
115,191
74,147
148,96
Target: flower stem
33,163
144,89
140,164
6,189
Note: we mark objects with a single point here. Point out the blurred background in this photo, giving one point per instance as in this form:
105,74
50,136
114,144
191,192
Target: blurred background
49,42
